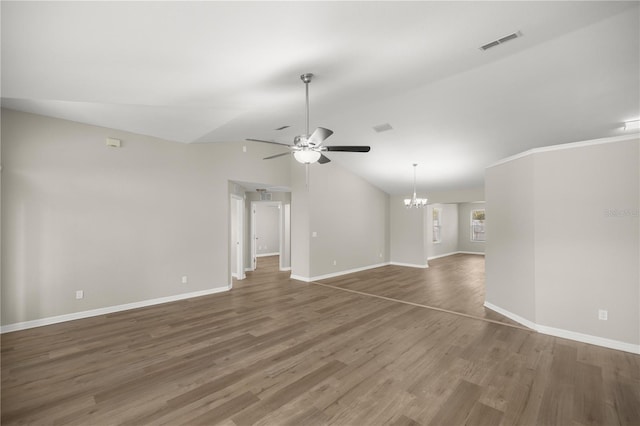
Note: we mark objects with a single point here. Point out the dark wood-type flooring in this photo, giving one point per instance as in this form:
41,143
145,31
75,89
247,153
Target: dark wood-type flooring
275,351
453,283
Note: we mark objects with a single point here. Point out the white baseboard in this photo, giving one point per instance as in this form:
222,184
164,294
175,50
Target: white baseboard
336,274
510,315
107,310
288,268
234,275
455,252
268,254
299,278
442,255
567,334
409,265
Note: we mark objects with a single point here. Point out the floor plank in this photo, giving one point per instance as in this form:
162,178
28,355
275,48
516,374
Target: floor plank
275,351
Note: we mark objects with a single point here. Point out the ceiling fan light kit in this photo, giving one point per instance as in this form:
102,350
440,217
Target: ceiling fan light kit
307,156
414,201
308,148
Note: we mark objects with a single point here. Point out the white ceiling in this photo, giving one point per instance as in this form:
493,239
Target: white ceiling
225,71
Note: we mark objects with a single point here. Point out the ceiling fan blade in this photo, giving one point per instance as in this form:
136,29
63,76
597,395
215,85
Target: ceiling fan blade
323,159
272,142
277,155
319,135
348,148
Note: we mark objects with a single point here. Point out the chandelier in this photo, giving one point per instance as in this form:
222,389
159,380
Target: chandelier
414,201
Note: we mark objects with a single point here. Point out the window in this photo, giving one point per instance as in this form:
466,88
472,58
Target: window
436,225
477,225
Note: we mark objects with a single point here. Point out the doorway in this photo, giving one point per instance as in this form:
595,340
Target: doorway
270,232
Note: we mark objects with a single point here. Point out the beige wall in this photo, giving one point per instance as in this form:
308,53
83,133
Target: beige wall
509,255
300,222
412,231
563,238
456,196
351,219
587,257
124,225
348,215
408,242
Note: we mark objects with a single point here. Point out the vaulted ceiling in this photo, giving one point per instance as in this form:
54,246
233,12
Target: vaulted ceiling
205,72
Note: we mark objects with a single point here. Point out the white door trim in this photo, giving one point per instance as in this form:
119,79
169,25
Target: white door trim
238,256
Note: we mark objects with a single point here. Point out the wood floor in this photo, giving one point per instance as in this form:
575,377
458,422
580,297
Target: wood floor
275,351
453,283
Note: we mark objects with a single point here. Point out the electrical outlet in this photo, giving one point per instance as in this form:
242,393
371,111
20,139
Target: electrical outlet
185,279
335,262
79,294
603,315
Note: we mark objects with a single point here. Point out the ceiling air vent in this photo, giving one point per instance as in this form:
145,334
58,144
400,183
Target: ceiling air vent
501,40
382,127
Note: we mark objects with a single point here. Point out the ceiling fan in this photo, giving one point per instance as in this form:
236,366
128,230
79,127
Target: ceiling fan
308,148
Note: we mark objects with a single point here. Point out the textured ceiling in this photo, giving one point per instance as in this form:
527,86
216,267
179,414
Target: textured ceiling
203,72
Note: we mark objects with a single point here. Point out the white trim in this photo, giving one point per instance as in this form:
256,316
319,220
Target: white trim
455,252
587,338
517,318
442,255
336,274
439,225
107,310
239,247
268,254
299,278
286,268
572,145
410,265
567,334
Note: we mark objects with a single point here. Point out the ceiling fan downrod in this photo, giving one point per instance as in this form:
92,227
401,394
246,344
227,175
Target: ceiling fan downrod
306,78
